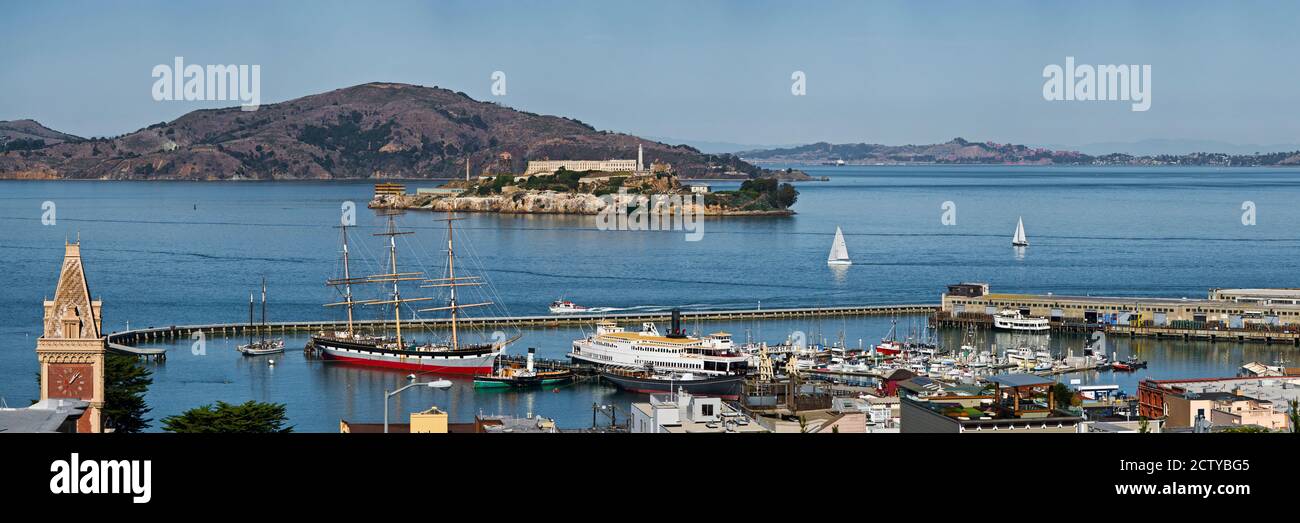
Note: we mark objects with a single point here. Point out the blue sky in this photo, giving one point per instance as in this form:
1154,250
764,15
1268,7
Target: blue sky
886,72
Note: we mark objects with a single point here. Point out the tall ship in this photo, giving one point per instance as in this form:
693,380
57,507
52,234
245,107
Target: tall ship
398,351
649,362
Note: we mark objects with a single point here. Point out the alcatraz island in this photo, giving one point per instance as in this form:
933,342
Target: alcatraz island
587,187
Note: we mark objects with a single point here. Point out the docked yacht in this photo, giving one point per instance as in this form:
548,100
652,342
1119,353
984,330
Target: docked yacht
1013,320
647,349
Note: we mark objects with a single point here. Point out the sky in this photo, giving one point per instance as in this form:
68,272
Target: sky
703,70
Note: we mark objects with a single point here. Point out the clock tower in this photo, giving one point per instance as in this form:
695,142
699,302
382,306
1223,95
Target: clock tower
71,349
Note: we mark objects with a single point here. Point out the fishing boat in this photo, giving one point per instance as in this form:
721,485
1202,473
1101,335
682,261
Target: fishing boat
450,357
647,381
567,307
839,250
1019,239
264,345
889,345
1122,366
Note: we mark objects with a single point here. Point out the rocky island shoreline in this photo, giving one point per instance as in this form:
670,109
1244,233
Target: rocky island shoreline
591,193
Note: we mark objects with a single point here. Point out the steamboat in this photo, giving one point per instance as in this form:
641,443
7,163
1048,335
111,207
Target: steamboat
649,362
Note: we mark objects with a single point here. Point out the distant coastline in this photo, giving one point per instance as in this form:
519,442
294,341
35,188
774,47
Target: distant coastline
963,152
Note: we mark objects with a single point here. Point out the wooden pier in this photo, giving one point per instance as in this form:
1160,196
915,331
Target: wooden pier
132,337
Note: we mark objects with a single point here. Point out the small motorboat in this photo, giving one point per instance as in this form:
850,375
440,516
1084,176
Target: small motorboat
1121,366
567,307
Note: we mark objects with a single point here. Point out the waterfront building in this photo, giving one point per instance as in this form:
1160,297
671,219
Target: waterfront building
686,413
1123,426
389,189
1016,403
435,421
1222,402
440,191
1232,308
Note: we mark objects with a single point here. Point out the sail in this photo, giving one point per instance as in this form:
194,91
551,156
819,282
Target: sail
1019,238
839,251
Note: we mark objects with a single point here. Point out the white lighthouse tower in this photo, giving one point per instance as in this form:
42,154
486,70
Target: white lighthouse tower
640,164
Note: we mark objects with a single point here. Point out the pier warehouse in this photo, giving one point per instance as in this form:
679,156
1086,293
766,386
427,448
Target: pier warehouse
1232,308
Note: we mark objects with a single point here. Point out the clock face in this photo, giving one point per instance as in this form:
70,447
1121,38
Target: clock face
71,381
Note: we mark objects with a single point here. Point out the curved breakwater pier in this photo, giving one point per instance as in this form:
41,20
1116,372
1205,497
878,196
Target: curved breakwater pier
125,341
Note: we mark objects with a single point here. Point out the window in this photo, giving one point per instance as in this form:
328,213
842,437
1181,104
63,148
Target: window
706,409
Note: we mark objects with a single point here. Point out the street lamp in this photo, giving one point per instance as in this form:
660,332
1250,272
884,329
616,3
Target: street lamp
437,384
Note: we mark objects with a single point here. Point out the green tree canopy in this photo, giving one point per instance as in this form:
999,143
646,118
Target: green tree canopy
252,417
125,384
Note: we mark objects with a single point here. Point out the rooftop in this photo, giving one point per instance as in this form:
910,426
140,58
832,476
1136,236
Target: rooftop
46,416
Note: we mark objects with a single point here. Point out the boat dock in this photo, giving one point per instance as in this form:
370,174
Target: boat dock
175,332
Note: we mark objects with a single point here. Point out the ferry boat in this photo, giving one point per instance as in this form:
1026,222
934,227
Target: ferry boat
613,346
452,357
567,307
264,345
1012,320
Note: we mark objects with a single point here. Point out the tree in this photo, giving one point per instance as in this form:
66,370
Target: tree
125,384
253,417
1294,415
1062,394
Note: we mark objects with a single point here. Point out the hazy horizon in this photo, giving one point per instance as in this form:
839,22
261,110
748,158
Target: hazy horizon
889,72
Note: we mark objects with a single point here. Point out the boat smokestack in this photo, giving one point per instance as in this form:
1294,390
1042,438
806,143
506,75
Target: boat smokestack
676,330
531,350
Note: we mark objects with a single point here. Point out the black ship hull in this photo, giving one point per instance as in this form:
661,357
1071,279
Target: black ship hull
726,387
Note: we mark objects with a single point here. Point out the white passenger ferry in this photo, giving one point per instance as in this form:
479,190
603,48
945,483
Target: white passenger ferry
1012,320
613,346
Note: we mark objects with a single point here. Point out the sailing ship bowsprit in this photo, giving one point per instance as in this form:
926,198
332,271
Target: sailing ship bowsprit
397,351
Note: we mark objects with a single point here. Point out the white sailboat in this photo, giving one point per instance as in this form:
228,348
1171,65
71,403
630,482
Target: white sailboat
1019,239
839,251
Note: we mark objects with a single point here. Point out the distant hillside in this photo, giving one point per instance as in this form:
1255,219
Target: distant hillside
375,130
30,133
960,151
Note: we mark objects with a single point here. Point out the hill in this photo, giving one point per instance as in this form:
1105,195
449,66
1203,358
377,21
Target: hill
374,130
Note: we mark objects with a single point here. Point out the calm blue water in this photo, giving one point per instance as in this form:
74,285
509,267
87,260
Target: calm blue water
179,252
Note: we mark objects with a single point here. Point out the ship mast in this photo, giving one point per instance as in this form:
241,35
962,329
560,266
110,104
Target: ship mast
451,272
393,277
264,307
452,281
347,275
